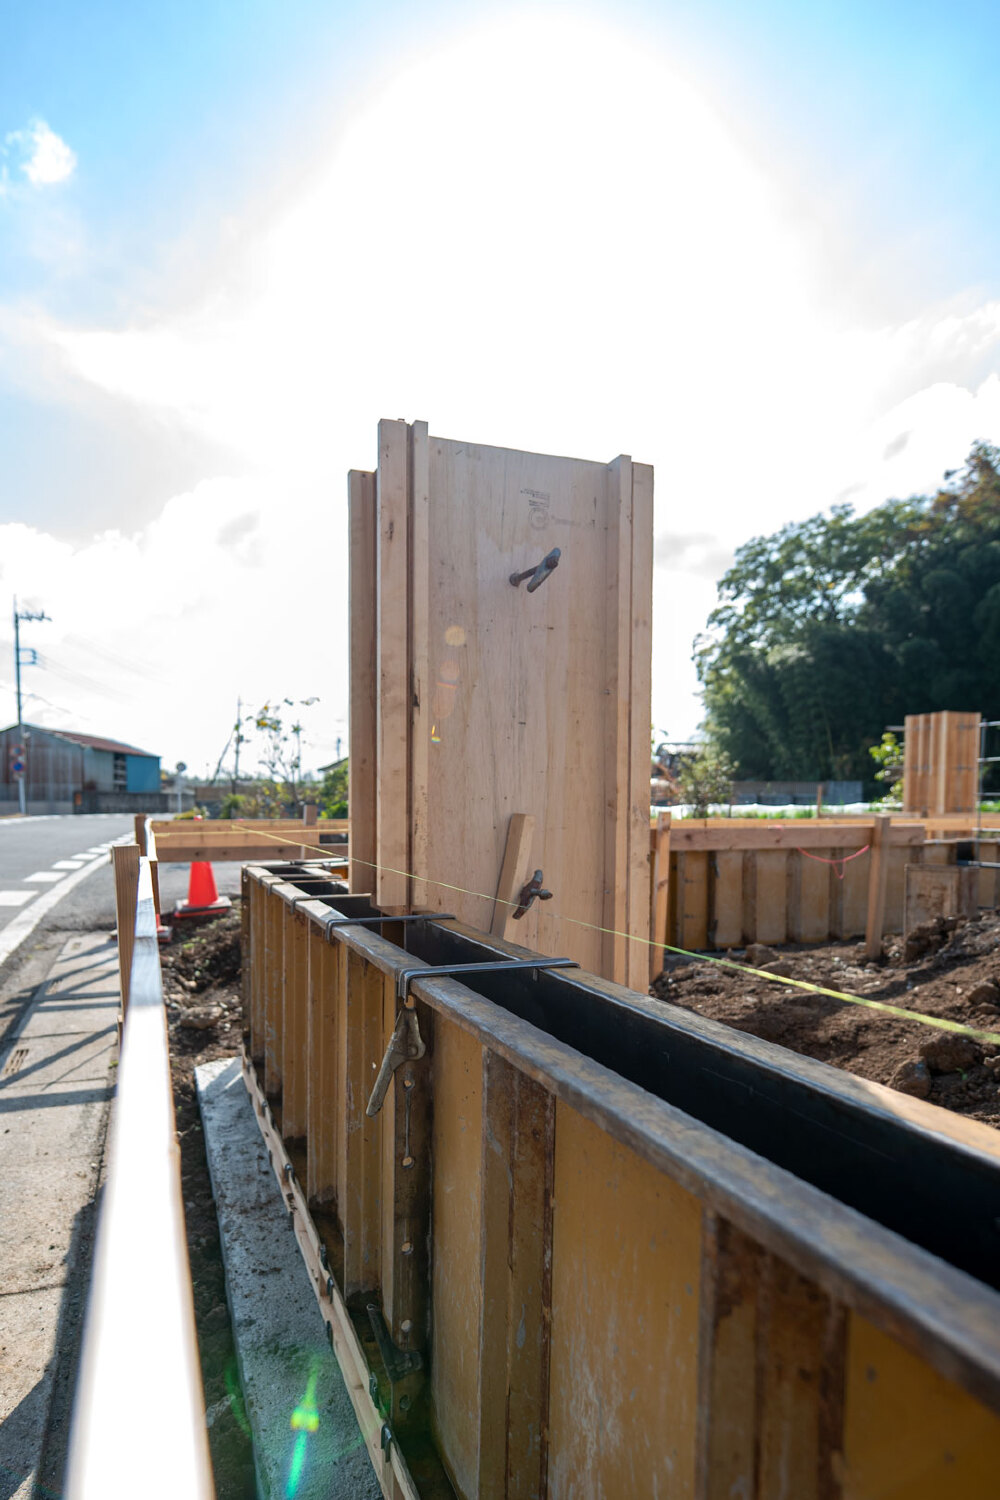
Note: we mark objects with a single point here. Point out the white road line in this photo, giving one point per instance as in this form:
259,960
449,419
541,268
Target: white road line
15,898
66,864
44,877
21,926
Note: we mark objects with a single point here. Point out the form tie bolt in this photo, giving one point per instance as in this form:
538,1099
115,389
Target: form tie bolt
537,575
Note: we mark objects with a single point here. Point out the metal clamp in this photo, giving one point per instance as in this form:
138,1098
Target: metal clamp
405,1045
405,977
538,574
404,1368
529,891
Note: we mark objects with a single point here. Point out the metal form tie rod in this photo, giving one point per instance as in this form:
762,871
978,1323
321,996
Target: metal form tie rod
339,920
405,977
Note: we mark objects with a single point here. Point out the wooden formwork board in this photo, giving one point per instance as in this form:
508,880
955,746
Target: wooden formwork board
500,702
803,882
619,1301
941,763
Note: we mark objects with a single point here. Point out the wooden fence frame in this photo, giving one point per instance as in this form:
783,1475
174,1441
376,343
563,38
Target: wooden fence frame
725,882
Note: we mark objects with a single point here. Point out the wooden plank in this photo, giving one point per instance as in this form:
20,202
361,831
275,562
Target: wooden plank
274,909
405,1169
692,898
727,1363
617,722
326,968
456,1289
515,872
125,865
221,830
878,881
363,779
818,837
765,896
140,832
640,697
896,861
294,1026
727,899
772,1358
253,966
908,1431
392,885
516,1245
800,1362
808,898
421,690
359,1053
626,1267
659,893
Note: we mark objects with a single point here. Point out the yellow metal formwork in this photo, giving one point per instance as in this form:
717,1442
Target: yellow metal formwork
583,1291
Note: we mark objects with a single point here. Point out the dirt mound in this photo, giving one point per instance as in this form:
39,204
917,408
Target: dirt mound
951,971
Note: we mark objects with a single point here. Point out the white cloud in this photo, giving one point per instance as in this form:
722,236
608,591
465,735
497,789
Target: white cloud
541,236
42,156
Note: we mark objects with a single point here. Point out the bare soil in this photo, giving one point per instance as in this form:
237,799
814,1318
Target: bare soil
201,985
949,968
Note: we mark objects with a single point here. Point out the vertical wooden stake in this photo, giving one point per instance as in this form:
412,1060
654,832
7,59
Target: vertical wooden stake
361,793
878,874
140,832
514,872
659,893
125,861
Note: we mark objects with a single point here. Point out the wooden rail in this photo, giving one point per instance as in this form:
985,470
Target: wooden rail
139,1414
586,1249
180,840
723,883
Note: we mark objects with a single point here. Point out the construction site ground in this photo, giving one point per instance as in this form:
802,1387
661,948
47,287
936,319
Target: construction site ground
948,968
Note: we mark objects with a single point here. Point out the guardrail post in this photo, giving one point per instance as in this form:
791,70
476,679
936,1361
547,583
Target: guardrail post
878,875
125,863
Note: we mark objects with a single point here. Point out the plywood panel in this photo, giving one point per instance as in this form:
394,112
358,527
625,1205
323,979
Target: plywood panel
495,700
625,1287
456,1293
727,899
910,1434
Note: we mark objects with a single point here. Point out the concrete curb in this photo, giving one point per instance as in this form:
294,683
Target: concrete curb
281,1344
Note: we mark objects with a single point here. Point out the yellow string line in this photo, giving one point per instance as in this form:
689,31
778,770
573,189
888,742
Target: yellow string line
704,958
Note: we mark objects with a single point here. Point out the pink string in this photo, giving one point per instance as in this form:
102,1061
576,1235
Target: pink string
838,864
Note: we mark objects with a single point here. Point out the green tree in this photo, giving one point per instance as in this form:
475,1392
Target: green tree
331,794
837,626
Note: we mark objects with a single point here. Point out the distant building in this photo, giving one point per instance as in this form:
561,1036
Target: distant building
69,772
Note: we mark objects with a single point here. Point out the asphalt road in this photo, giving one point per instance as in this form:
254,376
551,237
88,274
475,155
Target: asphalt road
77,894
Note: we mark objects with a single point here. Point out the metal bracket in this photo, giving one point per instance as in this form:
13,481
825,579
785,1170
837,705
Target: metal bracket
405,977
404,1367
338,920
538,574
405,1045
529,891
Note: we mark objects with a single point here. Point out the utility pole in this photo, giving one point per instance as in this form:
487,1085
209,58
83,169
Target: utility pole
22,775
234,786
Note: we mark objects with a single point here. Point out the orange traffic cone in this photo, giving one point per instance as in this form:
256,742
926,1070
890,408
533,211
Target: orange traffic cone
203,899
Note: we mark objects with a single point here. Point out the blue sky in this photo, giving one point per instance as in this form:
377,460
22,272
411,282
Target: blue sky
197,333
